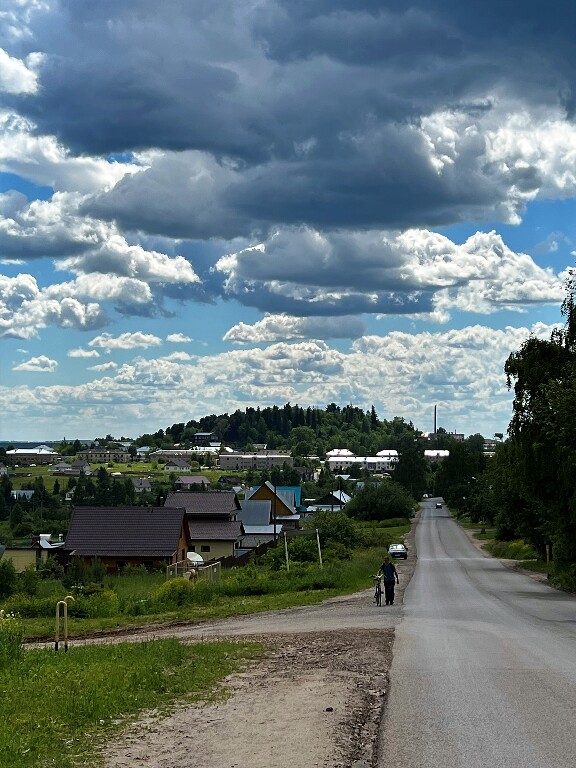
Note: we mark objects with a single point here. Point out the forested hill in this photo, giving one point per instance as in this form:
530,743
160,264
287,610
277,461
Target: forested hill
304,431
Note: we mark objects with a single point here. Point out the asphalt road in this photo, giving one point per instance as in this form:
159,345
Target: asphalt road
484,669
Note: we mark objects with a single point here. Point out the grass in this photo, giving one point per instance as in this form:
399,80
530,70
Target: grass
56,709
140,599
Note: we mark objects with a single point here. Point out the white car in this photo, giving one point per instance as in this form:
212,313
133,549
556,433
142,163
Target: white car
398,550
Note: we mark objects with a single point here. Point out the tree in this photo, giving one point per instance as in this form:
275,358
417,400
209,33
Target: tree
380,501
334,527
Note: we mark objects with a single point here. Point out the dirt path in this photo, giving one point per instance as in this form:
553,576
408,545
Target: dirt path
315,698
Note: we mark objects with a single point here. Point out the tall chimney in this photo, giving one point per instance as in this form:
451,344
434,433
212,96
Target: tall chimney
435,418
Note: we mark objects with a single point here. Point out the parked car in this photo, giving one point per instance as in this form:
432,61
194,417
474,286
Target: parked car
438,505
398,550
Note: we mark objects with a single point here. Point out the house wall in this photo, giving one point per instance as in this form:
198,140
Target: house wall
278,507
23,558
217,548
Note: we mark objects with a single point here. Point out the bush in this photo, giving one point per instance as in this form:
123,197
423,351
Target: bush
174,593
8,578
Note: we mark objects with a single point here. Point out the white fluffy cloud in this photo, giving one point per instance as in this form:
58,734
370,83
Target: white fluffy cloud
461,371
125,341
284,327
79,352
25,309
15,76
178,338
40,364
385,272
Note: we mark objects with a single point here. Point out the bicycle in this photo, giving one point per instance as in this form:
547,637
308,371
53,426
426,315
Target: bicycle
378,590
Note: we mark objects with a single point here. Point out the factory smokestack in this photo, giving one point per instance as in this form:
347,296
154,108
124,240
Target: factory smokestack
435,407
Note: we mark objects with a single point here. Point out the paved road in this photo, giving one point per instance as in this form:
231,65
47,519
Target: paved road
484,669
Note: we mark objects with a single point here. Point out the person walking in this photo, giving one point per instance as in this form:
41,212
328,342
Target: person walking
390,578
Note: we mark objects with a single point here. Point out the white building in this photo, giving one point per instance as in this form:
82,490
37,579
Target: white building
342,459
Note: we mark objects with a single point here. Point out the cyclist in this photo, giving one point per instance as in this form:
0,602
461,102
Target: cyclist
390,577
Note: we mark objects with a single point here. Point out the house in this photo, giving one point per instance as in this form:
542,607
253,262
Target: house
212,521
3,470
119,536
77,468
105,456
258,524
22,495
212,504
42,454
186,482
142,485
203,438
214,539
258,460
177,465
334,501
285,501
31,552
342,459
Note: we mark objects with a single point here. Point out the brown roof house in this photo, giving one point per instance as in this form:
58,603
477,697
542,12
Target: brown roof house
119,536
214,531
186,482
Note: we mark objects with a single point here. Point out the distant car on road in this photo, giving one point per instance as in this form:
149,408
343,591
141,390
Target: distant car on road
398,550
438,505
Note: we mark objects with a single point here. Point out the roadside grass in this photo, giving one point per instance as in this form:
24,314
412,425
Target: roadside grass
57,709
128,602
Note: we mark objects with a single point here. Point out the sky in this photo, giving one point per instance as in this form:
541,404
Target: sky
209,205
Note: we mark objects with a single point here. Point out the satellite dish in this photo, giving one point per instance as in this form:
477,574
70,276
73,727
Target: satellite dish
194,557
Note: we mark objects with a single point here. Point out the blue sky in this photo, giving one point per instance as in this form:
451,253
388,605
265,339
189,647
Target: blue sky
209,206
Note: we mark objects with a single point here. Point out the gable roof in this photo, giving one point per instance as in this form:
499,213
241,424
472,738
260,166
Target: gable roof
177,462
256,512
282,498
192,480
125,531
215,530
209,504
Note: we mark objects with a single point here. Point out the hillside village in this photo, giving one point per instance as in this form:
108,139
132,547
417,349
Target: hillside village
200,501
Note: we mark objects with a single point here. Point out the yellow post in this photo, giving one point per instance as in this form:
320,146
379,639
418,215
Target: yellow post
63,603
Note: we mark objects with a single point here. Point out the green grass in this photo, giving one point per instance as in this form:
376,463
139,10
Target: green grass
241,591
56,709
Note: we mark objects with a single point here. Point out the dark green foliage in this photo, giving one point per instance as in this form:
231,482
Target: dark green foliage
8,578
379,501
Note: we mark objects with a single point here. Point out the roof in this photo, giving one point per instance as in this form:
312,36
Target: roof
178,462
193,480
262,530
255,512
215,530
125,531
211,503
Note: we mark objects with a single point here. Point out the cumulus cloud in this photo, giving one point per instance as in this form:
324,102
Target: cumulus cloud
25,309
178,338
103,367
284,327
15,76
125,341
80,352
41,364
400,373
416,271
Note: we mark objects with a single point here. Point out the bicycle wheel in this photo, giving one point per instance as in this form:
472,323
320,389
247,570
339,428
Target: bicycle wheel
378,594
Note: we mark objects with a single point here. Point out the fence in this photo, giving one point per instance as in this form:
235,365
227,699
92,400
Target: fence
183,568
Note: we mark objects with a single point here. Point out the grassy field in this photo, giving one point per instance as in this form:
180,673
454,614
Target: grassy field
57,709
141,599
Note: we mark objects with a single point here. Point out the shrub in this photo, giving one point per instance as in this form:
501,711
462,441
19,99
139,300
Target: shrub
8,578
174,593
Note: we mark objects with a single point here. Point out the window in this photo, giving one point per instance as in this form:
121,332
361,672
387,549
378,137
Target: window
192,548
205,548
